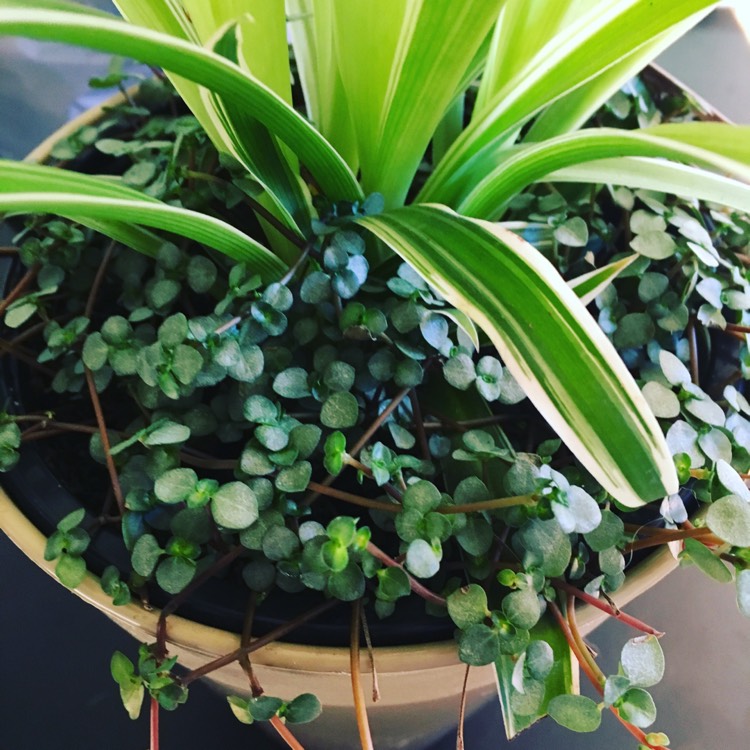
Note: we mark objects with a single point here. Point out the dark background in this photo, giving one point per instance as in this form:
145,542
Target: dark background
54,654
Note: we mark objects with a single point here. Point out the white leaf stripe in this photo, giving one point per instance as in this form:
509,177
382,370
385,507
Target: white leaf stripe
553,347
199,227
527,164
198,65
663,176
589,285
598,39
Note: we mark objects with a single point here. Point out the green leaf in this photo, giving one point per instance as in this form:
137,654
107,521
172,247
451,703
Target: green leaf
400,71
478,645
199,65
642,661
540,659
166,433
393,583
294,478
239,707
470,263
174,573
575,712
175,485
552,63
729,519
234,506
108,212
71,520
608,534
131,686
560,679
348,584
145,555
459,371
522,608
661,176
547,546
303,709
71,570
421,559
421,496
292,383
522,166
706,560
637,707
468,605
340,410
280,543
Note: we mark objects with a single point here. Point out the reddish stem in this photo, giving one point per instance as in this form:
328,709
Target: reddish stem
415,586
96,403
608,608
22,285
348,497
154,724
358,694
596,679
258,643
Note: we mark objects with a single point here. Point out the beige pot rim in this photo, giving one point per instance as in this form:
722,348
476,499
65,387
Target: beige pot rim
211,641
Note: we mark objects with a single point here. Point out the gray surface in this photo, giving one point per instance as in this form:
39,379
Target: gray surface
55,651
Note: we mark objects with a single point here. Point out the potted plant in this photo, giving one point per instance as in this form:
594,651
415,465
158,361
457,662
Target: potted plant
349,311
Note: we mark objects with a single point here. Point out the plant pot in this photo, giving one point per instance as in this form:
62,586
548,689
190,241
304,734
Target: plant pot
420,685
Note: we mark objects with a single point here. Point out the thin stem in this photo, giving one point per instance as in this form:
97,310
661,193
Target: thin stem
604,607
462,711
375,426
415,585
290,274
348,497
667,534
258,643
204,462
245,639
176,601
261,210
737,328
281,228
255,687
25,356
465,424
224,327
358,694
583,649
653,541
22,285
371,657
563,623
368,472
285,733
97,283
495,504
154,724
693,346
96,403
424,446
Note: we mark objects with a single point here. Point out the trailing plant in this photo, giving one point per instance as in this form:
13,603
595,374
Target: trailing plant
294,303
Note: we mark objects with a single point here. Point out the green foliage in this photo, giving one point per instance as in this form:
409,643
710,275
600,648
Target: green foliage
576,712
232,381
